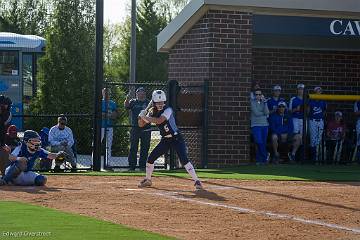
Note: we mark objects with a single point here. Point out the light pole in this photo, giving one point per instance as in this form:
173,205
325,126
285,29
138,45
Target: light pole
132,77
99,77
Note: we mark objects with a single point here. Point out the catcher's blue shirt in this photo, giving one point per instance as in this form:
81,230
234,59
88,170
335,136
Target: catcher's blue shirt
22,151
294,103
317,109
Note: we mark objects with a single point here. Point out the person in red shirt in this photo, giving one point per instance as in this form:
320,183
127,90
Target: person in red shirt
335,134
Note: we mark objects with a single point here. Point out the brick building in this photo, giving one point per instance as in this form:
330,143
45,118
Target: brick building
232,43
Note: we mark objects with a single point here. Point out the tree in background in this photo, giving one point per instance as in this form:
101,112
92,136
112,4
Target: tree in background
151,65
66,72
24,16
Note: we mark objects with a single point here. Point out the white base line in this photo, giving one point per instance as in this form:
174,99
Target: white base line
265,213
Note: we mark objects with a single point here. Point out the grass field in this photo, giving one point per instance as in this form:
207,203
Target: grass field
19,220
271,172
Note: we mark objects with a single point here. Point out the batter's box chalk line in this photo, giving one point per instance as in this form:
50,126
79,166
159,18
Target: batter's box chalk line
173,195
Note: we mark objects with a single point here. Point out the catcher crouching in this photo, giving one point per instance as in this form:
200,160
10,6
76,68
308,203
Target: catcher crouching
22,160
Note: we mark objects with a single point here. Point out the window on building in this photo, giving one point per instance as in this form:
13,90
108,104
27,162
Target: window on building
9,63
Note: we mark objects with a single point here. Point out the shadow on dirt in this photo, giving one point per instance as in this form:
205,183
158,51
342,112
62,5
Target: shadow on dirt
286,196
36,189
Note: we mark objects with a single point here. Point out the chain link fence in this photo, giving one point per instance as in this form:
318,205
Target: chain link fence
81,126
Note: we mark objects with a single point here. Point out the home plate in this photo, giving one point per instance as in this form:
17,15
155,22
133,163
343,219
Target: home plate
133,189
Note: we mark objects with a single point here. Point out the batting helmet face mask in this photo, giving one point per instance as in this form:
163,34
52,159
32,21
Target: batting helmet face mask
32,140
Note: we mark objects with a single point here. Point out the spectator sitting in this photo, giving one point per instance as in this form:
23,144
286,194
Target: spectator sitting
280,128
61,139
273,102
335,134
11,138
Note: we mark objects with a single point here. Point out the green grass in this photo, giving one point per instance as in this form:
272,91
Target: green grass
19,218
279,172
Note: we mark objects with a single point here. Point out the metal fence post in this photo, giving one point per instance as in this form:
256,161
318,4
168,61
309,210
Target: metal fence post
205,126
304,136
173,90
99,71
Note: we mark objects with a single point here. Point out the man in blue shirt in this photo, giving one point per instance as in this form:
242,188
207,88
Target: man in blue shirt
142,134
296,108
316,110
273,102
109,114
280,128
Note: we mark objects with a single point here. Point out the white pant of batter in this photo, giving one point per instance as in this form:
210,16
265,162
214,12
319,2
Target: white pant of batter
316,131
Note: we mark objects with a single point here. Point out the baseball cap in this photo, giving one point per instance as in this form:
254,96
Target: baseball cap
277,88
282,104
317,88
338,113
140,89
300,85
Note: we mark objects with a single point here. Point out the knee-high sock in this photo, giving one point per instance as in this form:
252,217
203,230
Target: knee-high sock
190,169
149,170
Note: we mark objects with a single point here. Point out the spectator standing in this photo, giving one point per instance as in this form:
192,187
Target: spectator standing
316,110
296,108
61,139
109,114
142,134
259,126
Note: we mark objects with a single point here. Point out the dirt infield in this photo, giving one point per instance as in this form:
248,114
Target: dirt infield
229,209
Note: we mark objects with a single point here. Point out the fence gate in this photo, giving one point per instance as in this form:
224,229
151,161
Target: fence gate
190,106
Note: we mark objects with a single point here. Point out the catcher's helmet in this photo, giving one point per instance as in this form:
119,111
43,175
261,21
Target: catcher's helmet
30,134
32,140
158,96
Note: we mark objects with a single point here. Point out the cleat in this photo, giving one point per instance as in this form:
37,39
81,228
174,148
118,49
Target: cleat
145,183
198,185
291,157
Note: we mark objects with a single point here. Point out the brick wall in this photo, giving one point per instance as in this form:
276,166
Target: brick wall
218,50
336,72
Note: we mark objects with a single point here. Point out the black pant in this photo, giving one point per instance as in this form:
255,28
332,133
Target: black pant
137,134
176,142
